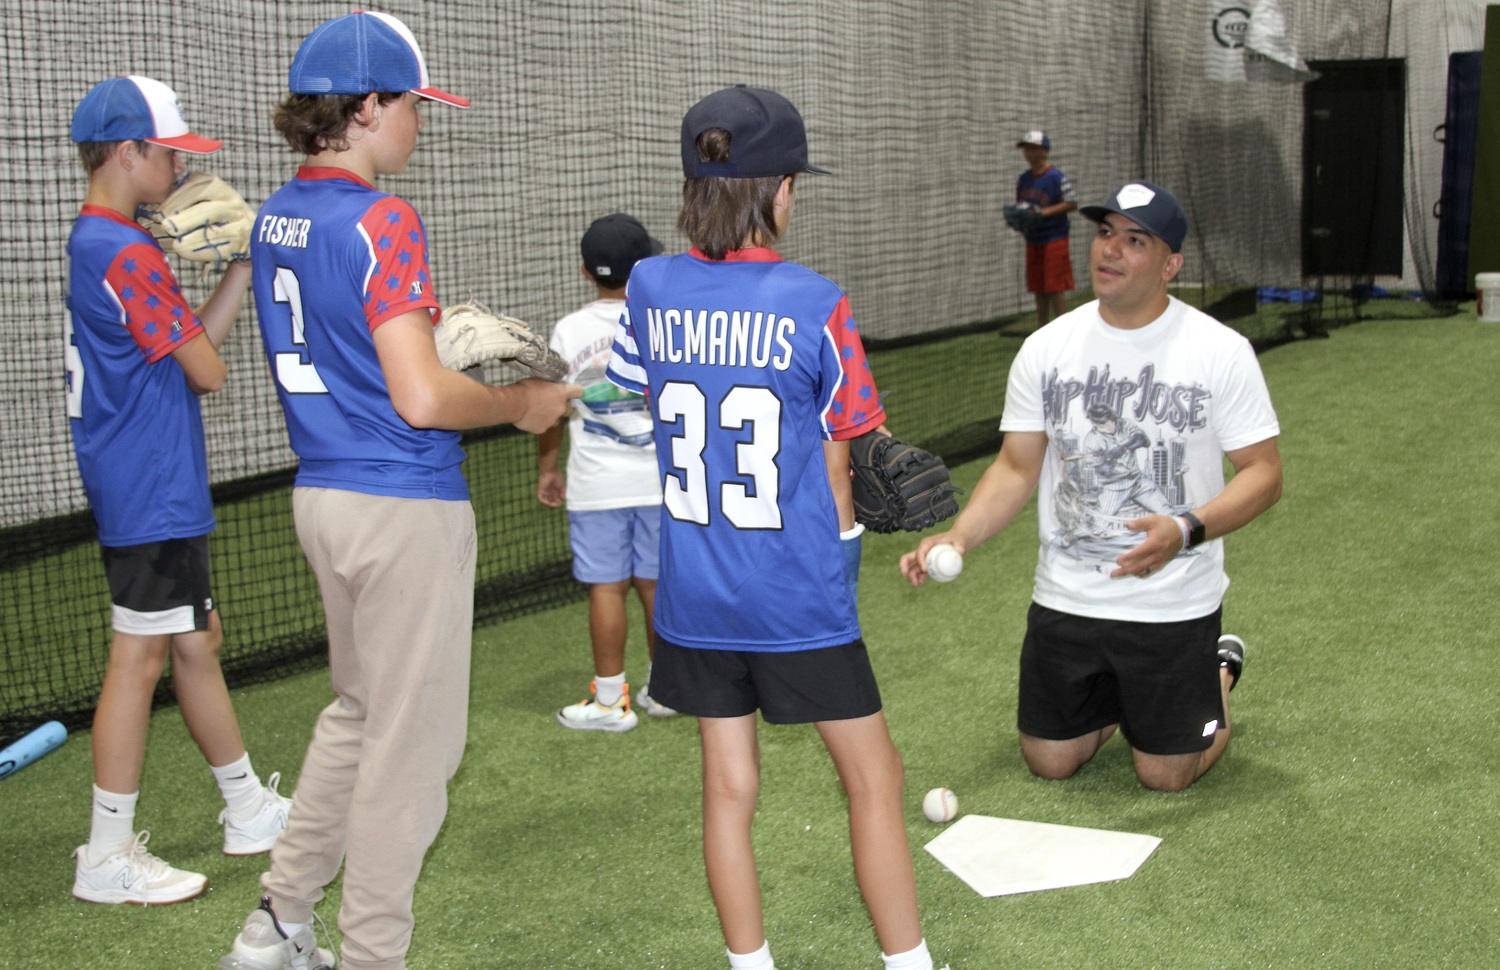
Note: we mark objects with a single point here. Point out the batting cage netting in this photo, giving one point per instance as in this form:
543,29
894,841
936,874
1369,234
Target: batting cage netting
915,106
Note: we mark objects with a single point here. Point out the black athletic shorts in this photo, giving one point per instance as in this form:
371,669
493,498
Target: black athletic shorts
159,587
794,687
1158,681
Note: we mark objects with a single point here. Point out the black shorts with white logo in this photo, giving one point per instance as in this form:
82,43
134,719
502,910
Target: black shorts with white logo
1158,681
792,687
159,587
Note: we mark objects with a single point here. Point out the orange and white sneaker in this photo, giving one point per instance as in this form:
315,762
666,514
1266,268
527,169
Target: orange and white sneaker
590,715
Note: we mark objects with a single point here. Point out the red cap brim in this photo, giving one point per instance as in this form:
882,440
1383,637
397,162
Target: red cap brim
441,96
194,144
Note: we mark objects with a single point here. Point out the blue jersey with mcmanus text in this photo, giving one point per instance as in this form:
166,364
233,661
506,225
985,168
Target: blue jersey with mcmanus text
333,259
750,363
137,428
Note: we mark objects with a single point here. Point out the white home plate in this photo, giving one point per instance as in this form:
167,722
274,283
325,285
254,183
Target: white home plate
1001,856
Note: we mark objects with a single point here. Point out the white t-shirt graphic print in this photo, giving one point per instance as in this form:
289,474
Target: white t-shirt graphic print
1138,422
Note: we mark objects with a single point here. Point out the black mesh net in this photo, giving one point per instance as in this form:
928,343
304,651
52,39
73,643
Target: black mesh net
915,106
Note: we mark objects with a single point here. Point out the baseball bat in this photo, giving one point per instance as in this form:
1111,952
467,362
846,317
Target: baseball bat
44,740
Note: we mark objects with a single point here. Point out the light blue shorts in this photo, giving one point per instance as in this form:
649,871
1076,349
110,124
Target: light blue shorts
611,545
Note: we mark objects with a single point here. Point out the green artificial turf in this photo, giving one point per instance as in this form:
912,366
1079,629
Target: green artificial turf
1350,824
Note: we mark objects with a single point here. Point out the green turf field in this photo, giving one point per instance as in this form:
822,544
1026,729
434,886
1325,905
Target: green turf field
1351,823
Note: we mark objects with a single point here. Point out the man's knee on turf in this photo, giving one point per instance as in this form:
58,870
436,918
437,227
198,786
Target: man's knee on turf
1057,760
1171,772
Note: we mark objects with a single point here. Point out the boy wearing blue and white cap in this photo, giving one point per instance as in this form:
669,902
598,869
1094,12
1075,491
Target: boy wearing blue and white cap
1119,415
1043,186
347,308
138,359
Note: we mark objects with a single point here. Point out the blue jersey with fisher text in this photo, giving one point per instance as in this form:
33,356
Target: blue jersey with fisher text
750,363
1046,189
333,259
137,426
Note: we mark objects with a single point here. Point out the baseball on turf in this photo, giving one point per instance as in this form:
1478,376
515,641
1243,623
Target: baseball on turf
940,805
944,563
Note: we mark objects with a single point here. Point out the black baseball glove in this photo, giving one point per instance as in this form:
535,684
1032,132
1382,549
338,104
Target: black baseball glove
1022,216
898,485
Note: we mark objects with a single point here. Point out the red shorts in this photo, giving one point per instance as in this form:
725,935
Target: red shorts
1048,268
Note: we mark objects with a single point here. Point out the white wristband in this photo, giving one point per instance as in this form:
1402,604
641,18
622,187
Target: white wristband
1186,529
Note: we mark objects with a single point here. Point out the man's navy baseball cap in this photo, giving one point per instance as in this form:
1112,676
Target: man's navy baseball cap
766,136
1037,137
1149,206
361,53
135,108
613,245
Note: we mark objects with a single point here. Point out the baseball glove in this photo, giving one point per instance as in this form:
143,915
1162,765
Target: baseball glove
469,334
203,220
1022,216
898,485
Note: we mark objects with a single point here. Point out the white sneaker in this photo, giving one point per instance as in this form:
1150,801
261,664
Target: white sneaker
262,944
256,834
653,706
133,875
590,715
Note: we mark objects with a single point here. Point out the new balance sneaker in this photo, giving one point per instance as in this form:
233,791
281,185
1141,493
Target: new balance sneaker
653,706
590,715
256,834
133,875
1232,656
263,944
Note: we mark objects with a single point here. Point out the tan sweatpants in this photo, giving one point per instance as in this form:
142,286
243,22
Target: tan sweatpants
397,579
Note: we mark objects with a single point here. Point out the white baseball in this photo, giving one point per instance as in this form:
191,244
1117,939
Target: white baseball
940,805
944,563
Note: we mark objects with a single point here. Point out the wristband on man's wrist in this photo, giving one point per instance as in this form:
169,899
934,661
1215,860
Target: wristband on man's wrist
1193,532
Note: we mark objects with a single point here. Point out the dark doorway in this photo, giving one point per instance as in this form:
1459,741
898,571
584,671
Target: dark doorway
1459,135
1354,122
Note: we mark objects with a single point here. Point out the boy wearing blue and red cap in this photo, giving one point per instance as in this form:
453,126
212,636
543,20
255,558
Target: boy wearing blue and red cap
138,359
347,309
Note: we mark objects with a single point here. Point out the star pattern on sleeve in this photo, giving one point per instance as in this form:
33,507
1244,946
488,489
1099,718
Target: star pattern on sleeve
153,308
399,281
856,404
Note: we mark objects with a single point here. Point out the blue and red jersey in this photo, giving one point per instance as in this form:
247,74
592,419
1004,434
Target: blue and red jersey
1046,189
333,259
750,364
137,425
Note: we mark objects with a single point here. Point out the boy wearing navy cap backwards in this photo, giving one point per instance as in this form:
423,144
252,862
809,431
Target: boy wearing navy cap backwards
382,510
1124,411
138,358
758,380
